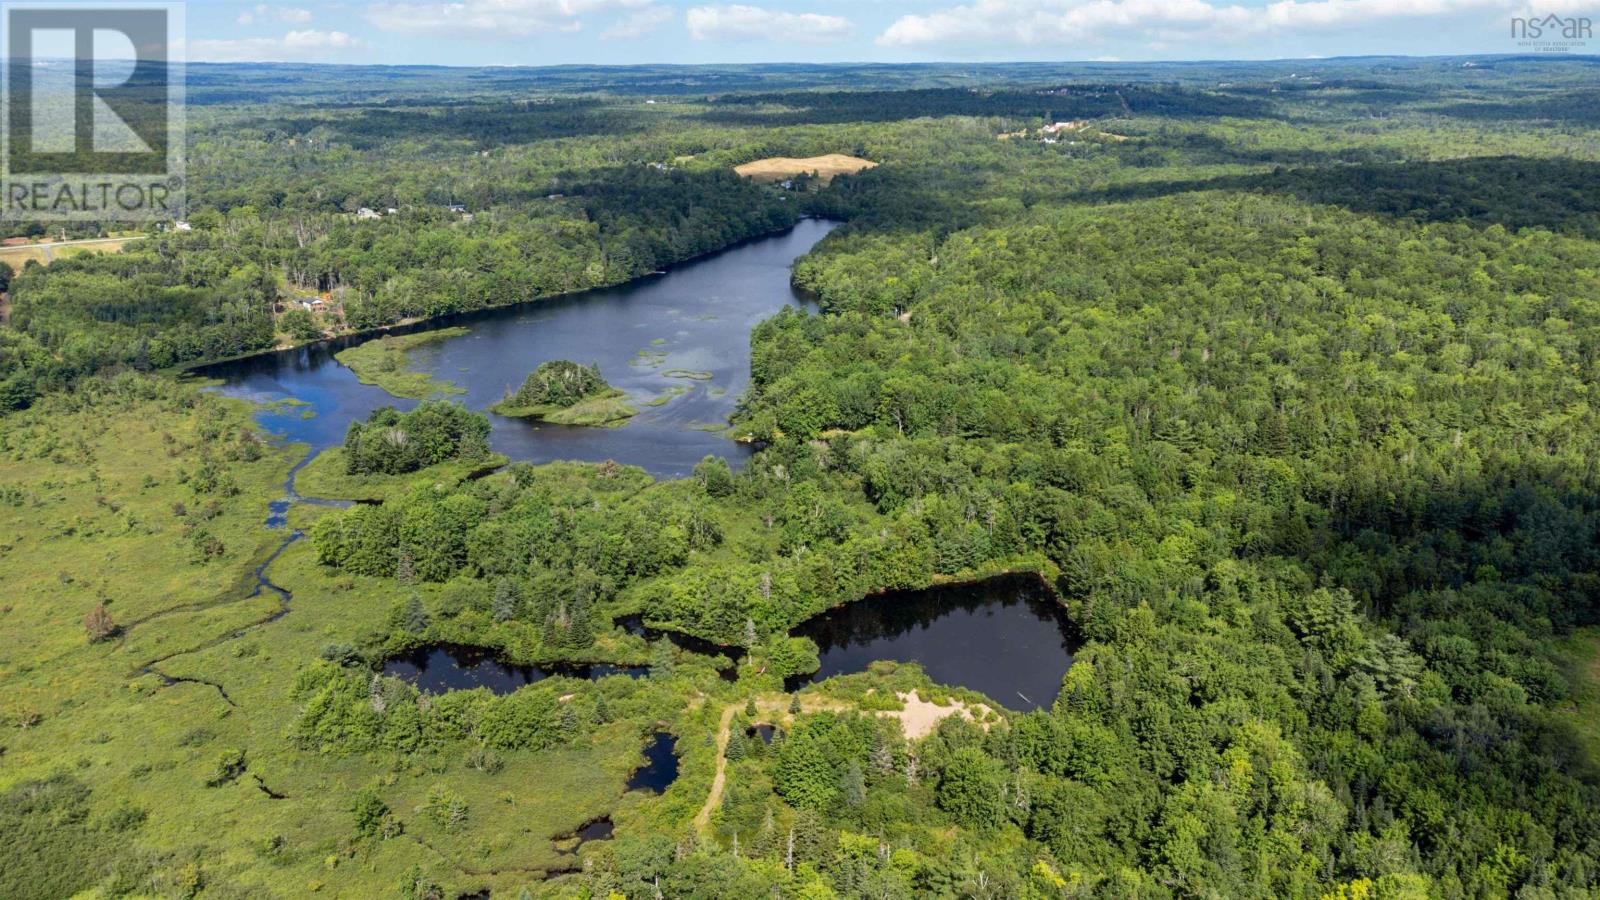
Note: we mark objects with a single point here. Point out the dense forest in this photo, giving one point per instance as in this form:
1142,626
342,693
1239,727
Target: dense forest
1280,381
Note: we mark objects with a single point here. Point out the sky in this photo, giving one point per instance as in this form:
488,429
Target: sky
558,32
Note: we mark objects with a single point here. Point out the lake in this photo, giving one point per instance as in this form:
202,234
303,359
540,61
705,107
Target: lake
1007,637
694,318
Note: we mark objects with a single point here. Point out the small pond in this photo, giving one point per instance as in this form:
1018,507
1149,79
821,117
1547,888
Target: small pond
600,829
1007,637
450,667
660,767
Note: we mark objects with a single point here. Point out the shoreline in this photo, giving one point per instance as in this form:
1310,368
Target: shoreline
341,342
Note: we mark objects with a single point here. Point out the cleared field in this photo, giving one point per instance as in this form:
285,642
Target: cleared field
777,168
44,254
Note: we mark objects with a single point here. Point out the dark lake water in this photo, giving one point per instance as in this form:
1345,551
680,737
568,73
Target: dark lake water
445,667
1006,637
696,317
660,767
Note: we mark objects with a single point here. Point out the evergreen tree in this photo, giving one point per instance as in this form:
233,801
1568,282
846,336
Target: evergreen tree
504,605
882,759
852,785
415,618
662,664
735,751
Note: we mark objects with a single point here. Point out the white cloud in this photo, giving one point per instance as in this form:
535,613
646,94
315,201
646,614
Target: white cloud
1158,21
296,45
739,22
639,24
491,18
262,12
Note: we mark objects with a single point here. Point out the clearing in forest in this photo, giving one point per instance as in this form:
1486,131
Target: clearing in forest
777,168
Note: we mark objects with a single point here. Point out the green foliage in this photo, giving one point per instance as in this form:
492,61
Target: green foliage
971,789
390,442
414,617
505,603
714,476
559,382
230,765
352,711
372,816
818,749
522,720
51,849
446,808
300,325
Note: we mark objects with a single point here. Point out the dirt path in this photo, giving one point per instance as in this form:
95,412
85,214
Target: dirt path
918,719
702,819
774,709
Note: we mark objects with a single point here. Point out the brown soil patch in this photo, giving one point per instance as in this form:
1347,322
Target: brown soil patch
777,168
920,717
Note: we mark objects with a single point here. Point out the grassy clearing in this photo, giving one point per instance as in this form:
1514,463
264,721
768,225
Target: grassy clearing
383,363
777,168
609,409
326,477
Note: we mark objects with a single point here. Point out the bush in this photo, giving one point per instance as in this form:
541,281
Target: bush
98,625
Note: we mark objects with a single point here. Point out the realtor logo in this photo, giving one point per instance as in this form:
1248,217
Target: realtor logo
93,111
1552,33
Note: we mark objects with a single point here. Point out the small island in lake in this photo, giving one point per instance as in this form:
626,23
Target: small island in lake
566,393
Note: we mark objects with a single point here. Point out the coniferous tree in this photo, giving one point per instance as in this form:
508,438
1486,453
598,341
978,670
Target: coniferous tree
504,606
415,617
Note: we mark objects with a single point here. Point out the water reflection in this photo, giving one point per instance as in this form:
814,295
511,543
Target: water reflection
1007,637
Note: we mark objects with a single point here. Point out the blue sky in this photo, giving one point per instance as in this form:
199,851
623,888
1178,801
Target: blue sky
552,32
